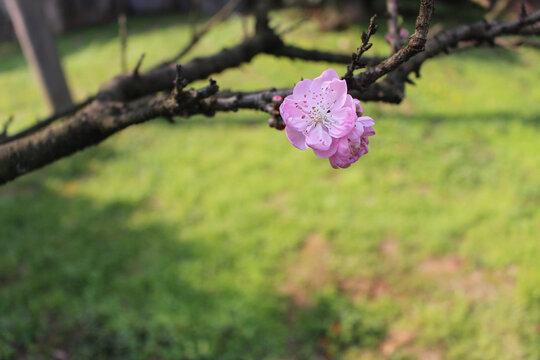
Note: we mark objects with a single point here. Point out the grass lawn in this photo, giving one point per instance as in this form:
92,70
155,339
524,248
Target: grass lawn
216,239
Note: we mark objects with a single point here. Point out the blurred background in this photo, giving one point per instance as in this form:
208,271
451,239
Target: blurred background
214,238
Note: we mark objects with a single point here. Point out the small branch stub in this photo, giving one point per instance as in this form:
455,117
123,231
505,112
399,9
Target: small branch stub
8,122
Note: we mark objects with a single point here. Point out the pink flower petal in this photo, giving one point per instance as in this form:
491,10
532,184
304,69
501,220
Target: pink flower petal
368,131
301,89
343,122
336,94
328,75
327,153
366,121
338,163
296,138
343,158
318,138
293,115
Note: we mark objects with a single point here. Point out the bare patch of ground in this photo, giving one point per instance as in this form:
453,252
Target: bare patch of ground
310,272
441,266
364,288
396,340
429,354
279,200
403,341
389,248
452,273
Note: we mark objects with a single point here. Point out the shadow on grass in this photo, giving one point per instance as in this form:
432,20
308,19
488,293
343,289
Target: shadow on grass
87,278
77,276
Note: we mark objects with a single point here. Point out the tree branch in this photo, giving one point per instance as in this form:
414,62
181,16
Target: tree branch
128,99
481,32
294,52
40,124
218,17
415,45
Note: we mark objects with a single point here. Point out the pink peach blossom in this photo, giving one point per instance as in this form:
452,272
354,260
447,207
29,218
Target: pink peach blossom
318,113
321,115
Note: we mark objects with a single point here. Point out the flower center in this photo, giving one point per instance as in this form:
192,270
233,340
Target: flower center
316,108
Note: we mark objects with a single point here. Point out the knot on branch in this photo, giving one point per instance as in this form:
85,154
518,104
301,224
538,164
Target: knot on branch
417,43
211,89
188,102
180,82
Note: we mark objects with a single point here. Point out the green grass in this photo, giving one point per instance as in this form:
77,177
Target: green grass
215,238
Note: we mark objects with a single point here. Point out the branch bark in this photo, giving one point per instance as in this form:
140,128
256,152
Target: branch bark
415,45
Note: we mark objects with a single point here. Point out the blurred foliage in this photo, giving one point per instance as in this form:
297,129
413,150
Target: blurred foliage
175,242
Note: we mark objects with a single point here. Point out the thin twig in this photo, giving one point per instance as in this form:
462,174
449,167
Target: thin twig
393,26
198,34
292,27
123,35
366,45
8,122
138,66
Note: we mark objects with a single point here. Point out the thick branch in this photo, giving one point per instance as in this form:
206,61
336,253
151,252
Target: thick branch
125,88
294,52
45,122
91,126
